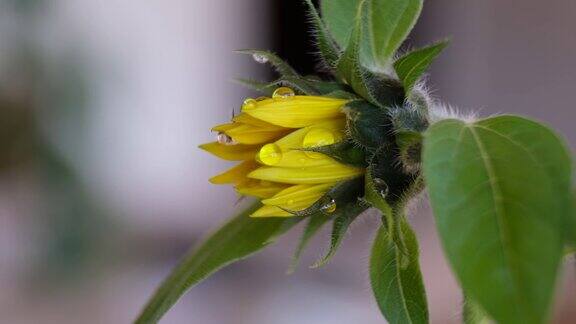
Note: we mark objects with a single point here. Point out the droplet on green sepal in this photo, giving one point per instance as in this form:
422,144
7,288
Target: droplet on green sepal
381,187
283,93
330,207
260,58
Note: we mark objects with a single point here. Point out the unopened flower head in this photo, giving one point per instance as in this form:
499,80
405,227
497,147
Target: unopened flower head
272,138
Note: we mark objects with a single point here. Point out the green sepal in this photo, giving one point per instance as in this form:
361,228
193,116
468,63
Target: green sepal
409,124
411,66
329,50
237,239
315,224
368,125
396,279
345,152
343,218
283,68
378,89
339,94
265,88
375,193
472,313
324,88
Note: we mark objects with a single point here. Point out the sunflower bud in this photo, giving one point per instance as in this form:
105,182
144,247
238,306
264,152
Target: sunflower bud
276,140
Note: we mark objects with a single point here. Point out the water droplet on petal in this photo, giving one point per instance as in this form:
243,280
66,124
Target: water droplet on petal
381,187
329,207
317,137
260,58
249,104
224,139
283,93
270,154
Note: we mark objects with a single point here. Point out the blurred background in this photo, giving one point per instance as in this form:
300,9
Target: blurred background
102,188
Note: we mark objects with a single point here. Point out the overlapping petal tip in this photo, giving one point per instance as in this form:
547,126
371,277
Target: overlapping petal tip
238,152
235,175
260,189
276,211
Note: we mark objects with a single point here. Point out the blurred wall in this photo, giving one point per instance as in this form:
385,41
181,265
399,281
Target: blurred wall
157,77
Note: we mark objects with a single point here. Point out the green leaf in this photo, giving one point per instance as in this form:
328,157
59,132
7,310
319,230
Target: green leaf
328,48
315,223
339,18
377,89
342,221
235,240
386,25
412,66
500,192
389,23
396,279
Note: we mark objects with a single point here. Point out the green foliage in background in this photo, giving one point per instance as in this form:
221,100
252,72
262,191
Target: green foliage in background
500,187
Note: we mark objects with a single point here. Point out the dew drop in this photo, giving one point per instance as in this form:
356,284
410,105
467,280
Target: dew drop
270,154
317,137
381,186
224,139
260,58
283,93
249,104
329,207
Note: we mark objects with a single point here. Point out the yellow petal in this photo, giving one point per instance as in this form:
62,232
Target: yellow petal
297,111
298,193
224,127
296,139
236,174
274,211
300,159
249,120
237,152
249,134
260,189
313,175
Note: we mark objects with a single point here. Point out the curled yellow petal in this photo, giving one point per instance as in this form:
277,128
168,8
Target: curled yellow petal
237,152
333,131
313,175
298,193
260,189
223,127
244,118
236,174
297,111
249,134
275,211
